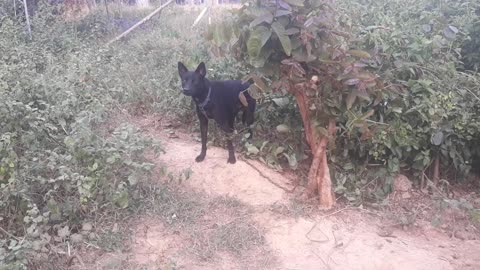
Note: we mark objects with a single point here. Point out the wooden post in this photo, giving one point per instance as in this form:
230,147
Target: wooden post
106,9
211,3
148,17
200,16
28,19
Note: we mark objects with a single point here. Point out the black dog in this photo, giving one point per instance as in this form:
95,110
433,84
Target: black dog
218,100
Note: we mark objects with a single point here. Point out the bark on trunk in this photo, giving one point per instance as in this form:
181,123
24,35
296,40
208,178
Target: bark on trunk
319,181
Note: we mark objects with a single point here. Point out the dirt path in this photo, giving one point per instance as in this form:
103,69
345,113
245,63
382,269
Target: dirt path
348,239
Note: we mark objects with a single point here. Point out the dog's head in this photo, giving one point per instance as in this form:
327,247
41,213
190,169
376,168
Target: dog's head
193,82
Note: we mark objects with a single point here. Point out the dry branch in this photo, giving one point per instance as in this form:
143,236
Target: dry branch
148,17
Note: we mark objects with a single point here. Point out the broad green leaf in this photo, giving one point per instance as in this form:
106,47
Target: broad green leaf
427,28
279,150
475,214
64,232
266,17
292,31
359,53
301,56
323,131
348,166
367,114
263,145
298,3
260,60
132,179
292,160
281,102
254,44
437,138
62,123
218,36
251,149
283,37
453,29
353,81
352,96
69,142
450,32
283,128
393,165
54,208
121,199
257,40
264,34
282,12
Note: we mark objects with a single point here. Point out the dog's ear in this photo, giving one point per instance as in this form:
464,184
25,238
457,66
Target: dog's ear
182,69
201,69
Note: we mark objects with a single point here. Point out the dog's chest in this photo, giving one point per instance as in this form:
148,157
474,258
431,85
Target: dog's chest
208,110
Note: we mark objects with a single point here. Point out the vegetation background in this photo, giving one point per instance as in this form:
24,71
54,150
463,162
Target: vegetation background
398,77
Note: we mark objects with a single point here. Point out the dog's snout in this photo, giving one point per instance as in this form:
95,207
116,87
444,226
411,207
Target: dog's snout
187,91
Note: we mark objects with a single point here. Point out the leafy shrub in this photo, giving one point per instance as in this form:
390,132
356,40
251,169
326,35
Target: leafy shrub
432,111
471,46
424,108
56,168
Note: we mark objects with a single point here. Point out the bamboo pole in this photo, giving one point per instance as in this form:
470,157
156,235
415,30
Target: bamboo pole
200,16
28,19
148,17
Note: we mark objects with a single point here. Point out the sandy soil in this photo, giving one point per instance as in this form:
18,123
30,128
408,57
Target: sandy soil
344,238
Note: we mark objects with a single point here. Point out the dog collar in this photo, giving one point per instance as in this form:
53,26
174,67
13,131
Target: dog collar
205,102
207,99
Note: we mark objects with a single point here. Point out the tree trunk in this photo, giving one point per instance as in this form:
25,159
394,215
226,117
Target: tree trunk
319,181
28,19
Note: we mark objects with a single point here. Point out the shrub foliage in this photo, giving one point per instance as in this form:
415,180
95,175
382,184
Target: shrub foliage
390,74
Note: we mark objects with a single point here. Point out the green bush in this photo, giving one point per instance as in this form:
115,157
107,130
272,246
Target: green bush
57,166
426,107
432,110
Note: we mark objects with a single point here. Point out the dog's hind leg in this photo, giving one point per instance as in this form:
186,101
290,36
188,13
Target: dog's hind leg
203,132
249,115
229,132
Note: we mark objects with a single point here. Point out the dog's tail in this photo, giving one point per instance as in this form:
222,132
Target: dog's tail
248,114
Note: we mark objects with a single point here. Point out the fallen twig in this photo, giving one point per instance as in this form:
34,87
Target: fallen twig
9,234
268,178
336,212
314,240
323,261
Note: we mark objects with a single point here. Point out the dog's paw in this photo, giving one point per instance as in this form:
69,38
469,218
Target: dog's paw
231,160
200,158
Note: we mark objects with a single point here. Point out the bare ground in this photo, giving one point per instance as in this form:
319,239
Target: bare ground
250,221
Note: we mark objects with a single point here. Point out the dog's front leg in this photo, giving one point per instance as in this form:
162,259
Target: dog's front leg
231,151
203,132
